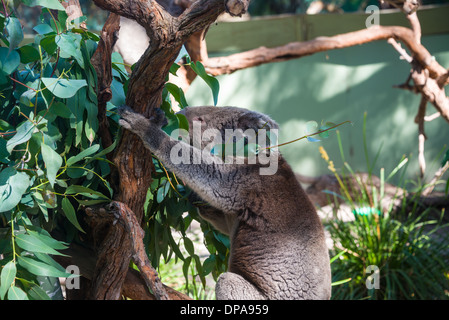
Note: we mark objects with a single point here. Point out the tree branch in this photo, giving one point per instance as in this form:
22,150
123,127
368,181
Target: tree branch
419,119
122,243
252,58
156,20
101,61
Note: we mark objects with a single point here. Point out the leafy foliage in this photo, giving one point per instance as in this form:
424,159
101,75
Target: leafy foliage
407,243
52,160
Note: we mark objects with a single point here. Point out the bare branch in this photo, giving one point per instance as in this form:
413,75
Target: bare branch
252,58
402,52
150,14
432,117
416,26
127,218
436,177
419,119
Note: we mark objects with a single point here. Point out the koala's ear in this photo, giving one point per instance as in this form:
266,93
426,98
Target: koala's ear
198,118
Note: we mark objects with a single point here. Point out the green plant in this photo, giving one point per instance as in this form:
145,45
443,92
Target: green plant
52,160
392,233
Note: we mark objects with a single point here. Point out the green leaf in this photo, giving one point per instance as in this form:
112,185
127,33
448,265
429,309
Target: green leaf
28,54
23,134
188,244
9,60
63,88
37,293
45,237
209,264
177,93
7,277
16,293
15,33
311,127
50,4
445,159
83,154
326,127
74,189
61,110
185,268
13,185
70,213
40,268
43,28
69,45
48,43
183,122
213,83
53,162
33,244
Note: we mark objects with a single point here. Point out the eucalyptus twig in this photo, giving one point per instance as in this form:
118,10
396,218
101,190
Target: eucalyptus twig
4,8
306,136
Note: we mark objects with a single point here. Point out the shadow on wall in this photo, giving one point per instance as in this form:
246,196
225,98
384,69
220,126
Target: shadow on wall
337,86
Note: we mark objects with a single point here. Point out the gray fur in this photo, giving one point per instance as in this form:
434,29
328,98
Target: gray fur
278,248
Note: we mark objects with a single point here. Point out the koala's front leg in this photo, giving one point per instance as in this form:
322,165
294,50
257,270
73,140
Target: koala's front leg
138,124
209,179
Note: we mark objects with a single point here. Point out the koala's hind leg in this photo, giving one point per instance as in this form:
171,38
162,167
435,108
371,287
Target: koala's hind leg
231,286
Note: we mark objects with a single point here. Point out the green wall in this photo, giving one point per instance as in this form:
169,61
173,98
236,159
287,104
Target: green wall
336,86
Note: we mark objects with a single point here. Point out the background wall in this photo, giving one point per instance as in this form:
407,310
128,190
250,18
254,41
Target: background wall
334,86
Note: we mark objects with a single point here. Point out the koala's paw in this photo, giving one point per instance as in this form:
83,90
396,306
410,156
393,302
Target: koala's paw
131,120
159,118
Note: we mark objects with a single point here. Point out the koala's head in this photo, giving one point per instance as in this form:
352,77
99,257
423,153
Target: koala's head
230,122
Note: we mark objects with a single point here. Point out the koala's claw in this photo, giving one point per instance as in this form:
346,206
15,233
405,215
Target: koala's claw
159,117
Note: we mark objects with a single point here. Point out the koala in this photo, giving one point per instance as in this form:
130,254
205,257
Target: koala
278,248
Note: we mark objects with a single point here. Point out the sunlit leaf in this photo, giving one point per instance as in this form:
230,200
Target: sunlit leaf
13,185
8,274
14,30
63,88
23,134
40,268
53,162
50,4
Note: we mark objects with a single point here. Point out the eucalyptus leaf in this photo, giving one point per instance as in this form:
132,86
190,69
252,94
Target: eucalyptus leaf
34,244
188,244
23,134
177,93
212,82
40,268
50,4
70,213
83,154
69,45
63,88
15,293
74,189
28,54
43,28
37,293
13,185
15,33
53,162
9,60
8,274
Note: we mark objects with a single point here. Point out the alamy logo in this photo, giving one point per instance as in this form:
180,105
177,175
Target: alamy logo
236,147
373,280
374,17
